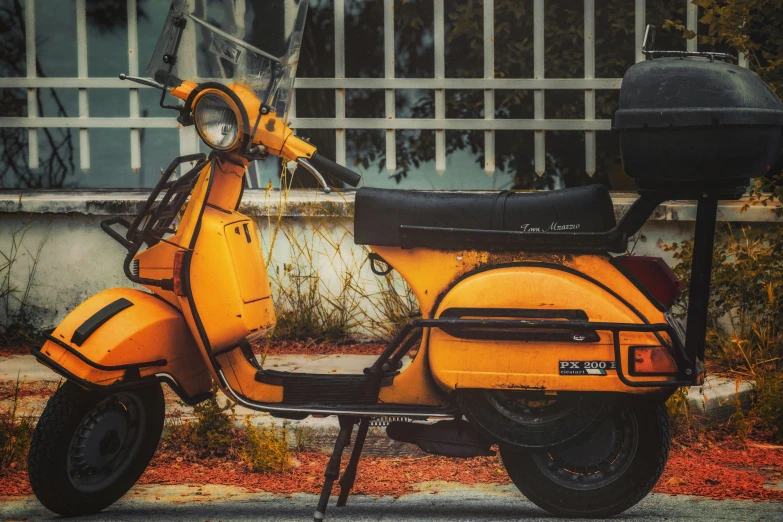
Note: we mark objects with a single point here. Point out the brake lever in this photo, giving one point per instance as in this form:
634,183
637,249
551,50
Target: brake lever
143,81
317,175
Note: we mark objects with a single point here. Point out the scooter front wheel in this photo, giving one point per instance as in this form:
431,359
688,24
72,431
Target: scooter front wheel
90,447
601,474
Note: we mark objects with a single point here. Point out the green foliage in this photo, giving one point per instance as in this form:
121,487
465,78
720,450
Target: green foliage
739,420
750,27
16,431
679,411
769,387
745,316
745,328
211,433
213,429
266,448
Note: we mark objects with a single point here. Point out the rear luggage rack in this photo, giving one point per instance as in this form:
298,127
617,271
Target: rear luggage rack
651,53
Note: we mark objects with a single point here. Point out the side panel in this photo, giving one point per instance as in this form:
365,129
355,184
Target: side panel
534,362
228,280
122,328
432,274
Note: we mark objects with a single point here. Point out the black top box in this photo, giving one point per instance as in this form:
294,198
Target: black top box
696,120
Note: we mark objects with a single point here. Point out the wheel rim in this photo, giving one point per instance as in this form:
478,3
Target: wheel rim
598,460
106,442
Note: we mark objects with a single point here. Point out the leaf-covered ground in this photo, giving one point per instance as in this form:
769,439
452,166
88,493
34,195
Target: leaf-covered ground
724,470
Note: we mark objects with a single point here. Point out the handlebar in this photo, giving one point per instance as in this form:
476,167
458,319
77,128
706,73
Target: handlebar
335,170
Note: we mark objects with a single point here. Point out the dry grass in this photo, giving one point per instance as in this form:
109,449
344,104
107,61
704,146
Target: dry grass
16,432
15,327
304,438
325,291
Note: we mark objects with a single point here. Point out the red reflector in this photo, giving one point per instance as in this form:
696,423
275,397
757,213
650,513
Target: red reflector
178,288
652,360
654,275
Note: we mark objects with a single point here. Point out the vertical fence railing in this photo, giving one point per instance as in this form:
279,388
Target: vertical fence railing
539,151
388,67
691,22
186,66
82,72
133,70
589,31
640,23
439,47
389,124
339,73
489,94
32,73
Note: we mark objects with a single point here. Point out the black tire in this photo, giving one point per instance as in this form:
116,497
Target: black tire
90,447
506,418
617,479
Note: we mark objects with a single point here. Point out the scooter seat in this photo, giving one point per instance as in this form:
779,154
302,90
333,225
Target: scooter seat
379,213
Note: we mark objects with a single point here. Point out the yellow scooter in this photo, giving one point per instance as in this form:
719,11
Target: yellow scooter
532,337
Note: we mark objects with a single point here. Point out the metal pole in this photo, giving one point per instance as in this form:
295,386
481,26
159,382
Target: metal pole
698,300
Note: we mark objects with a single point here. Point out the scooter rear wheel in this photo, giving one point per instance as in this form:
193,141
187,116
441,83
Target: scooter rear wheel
90,447
601,474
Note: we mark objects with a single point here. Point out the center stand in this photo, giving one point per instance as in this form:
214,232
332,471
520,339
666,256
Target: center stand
332,472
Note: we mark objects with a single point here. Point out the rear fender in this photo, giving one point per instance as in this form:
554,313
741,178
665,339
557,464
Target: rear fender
123,338
537,362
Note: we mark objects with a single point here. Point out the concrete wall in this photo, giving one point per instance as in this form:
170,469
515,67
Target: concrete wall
56,239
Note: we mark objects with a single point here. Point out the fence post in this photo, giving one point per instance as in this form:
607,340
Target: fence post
538,74
489,94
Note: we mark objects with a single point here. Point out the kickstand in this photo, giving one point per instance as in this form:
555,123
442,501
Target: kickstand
349,475
332,472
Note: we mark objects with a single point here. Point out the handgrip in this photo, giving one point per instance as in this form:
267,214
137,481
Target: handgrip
337,171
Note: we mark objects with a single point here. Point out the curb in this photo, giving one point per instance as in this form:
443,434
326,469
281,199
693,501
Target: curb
717,399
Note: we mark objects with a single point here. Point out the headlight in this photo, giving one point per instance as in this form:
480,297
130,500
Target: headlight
216,121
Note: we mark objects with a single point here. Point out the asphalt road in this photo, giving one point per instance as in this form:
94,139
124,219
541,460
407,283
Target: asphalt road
437,502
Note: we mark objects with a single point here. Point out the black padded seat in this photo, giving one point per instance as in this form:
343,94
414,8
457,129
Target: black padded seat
380,212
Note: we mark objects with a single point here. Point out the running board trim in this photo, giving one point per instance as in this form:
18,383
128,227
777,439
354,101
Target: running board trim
435,412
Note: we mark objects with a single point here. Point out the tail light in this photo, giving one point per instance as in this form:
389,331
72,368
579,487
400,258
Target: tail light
651,360
179,288
654,275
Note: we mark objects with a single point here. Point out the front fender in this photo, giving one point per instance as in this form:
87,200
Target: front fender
124,337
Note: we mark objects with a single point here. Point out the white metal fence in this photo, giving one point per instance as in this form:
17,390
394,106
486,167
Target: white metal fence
439,84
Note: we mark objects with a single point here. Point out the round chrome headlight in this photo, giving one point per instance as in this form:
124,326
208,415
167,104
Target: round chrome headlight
216,121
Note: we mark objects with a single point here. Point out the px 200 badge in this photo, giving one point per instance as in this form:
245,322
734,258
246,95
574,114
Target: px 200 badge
586,367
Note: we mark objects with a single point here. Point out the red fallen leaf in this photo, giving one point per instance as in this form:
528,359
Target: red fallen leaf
742,476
